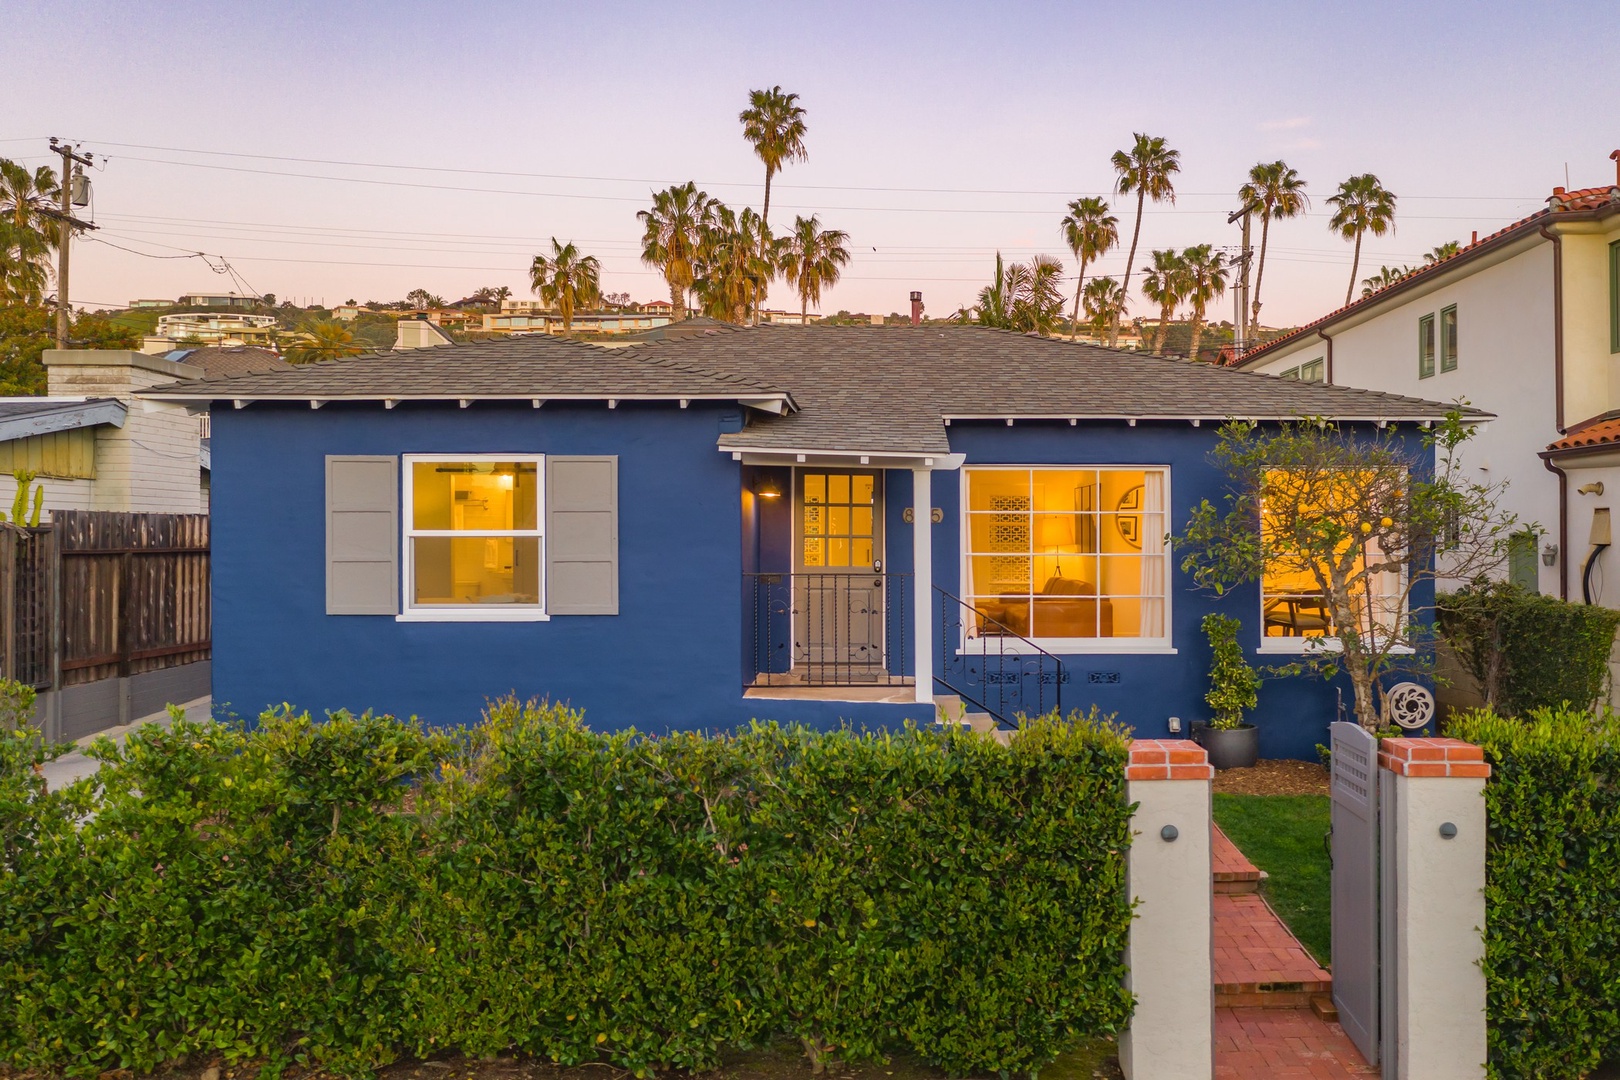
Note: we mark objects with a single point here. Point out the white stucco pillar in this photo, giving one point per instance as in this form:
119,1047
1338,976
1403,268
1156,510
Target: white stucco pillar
1169,876
922,585
1434,864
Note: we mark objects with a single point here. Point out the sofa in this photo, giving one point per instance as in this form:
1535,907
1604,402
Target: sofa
1064,608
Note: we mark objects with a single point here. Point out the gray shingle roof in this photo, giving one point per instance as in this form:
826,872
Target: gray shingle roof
889,389
878,390
513,367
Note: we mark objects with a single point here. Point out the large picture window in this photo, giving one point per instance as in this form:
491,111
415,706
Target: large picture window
1068,555
1292,588
473,535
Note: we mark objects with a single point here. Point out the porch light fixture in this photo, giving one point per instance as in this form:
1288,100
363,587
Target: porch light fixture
768,488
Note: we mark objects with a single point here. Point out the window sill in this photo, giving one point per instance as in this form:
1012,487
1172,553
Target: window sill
1314,646
1073,646
462,615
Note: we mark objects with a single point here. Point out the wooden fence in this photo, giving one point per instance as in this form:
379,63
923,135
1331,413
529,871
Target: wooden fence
97,594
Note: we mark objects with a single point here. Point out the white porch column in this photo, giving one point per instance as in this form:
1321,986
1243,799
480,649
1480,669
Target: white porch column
1434,865
922,565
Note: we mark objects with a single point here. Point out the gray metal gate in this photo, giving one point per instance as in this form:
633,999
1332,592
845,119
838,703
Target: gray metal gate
1356,901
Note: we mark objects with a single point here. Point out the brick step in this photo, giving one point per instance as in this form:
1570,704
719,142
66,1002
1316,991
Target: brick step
1258,963
1234,873
1322,1005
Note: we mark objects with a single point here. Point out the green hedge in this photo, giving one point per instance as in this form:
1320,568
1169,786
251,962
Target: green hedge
1528,651
345,891
1552,941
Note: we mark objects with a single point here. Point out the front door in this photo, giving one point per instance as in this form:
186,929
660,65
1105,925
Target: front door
838,599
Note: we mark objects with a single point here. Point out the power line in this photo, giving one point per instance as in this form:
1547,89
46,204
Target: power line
707,183
1043,212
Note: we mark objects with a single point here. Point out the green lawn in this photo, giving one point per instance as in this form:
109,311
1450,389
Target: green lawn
1282,835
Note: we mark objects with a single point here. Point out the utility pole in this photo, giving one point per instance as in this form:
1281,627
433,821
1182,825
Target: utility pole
72,195
1240,317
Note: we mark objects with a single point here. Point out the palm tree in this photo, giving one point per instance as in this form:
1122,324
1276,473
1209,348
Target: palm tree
1444,251
1091,232
1104,300
812,260
1386,276
1040,301
1361,205
670,241
994,307
1165,283
566,280
774,124
323,339
27,236
736,258
1145,169
1205,281
1026,297
1281,194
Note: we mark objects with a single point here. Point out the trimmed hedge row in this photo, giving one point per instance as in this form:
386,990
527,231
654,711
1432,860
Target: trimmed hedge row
344,891
1528,651
1552,894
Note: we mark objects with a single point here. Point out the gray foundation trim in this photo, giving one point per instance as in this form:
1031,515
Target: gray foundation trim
70,714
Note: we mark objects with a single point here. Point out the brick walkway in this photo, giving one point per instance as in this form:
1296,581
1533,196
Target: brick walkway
1283,1044
1265,983
1257,961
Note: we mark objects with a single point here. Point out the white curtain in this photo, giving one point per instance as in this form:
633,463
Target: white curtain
1153,553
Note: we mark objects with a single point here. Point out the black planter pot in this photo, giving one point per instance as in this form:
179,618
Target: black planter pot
1229,748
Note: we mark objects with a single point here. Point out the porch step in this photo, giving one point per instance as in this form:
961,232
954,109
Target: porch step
1322,1005
1258,963
949,708
1234,873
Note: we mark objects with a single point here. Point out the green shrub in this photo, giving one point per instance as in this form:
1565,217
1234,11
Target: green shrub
1528,651
1552,889
340,892
1234,686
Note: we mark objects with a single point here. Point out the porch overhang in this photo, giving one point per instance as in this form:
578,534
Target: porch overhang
843,459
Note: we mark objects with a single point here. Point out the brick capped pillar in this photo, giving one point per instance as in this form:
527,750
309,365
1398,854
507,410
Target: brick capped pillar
1168,875
1433,795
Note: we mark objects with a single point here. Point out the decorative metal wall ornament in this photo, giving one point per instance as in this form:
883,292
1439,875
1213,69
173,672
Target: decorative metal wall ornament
1409,704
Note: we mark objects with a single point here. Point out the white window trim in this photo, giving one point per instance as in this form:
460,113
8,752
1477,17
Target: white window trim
453,613
1115,646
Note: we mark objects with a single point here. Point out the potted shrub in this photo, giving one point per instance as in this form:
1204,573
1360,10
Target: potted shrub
1234,688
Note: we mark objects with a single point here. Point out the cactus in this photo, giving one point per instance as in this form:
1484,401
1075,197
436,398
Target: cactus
20,504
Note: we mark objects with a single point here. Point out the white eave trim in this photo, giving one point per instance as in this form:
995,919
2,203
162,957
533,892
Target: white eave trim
90,414
777,404
1198,418
876,459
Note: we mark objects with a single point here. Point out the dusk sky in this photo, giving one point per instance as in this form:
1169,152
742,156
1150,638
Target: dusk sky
938,132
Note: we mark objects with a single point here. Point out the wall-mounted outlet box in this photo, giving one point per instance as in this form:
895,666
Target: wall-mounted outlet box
1175,725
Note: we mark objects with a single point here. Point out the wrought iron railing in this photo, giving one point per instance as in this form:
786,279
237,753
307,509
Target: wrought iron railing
989,664
830,629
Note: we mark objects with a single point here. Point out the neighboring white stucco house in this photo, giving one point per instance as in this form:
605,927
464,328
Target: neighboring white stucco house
1525,324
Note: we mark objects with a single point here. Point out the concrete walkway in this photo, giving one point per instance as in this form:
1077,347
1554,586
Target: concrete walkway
75,765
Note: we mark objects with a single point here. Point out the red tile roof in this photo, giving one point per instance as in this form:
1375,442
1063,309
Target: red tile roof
1604,431
1560,202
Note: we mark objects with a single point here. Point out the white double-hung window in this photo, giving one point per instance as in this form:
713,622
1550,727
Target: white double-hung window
473,538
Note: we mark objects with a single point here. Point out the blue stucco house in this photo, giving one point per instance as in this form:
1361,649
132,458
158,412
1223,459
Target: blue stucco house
809,524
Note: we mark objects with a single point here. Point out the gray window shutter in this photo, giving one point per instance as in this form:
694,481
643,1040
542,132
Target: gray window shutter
582,535
362,535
